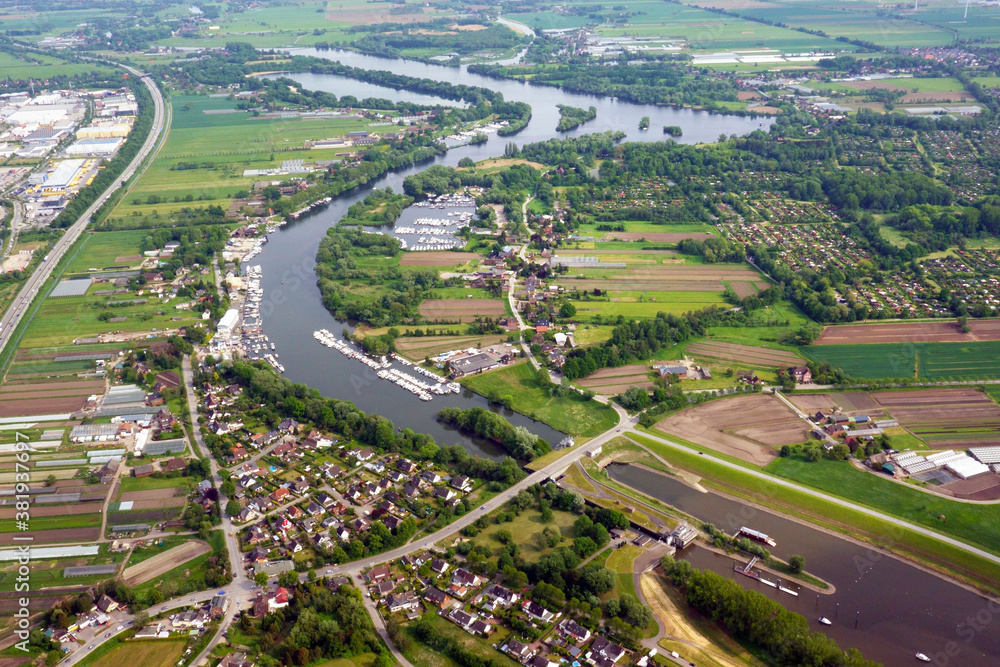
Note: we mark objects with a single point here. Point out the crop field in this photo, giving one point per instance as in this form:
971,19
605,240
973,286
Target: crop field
442,258
702,29
162,563
932,361
945,418
610,381
460,310
983,22
858,22
419,347
910,332
152,653
222,144
744,354
108,251
646,304
46,66
657,237
723,426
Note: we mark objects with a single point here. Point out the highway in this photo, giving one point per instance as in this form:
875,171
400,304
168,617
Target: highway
19,307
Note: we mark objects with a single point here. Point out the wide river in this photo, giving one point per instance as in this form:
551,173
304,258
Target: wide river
292,307
903,609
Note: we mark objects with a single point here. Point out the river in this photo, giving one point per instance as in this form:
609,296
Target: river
903,609
292,308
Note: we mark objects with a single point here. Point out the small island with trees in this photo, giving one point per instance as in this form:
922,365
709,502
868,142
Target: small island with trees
572,117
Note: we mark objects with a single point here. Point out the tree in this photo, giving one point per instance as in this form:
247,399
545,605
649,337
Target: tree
567,310
796,564
140,620
233,508
260,578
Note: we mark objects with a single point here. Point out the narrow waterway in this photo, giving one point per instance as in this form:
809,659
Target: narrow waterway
883,606
292,308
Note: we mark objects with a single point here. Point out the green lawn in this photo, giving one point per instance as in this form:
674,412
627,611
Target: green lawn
130,483
101,249
571,414
675,303
524,528
421,656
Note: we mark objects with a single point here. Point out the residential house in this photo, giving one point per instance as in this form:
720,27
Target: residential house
537,612
401,603
463,577
430,476
462,483
436,597
236,660
444,493
605,649
106,604
439,566
461,618
572,630
377,574
518,650
501,595
801,374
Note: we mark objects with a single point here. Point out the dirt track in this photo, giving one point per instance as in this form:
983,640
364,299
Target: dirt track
162,563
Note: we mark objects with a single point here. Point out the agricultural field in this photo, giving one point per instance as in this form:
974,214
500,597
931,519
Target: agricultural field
109,251
610,381
930,361
910,332
438,258
723,426
162,563
668,22
637,282
149,653
417,348
851,20
460,310
209,132
41,66
744,354
570,414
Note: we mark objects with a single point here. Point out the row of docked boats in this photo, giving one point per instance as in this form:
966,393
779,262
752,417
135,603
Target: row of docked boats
383,369
305,209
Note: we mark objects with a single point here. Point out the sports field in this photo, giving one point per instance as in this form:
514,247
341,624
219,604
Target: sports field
932,361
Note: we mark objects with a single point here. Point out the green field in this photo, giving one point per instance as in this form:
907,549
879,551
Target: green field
61,321
628,304
571,414
525,527
668,22
149,483
101,249
223,145
148,653
931,361
42,66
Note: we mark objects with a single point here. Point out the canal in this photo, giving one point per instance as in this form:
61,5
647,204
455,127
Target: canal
883,606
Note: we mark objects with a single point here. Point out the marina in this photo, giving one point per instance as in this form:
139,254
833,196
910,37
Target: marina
384,370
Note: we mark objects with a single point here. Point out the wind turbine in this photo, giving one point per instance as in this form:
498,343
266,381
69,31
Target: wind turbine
966,15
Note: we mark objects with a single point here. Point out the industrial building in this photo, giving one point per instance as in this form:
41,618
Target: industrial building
65,175
228,323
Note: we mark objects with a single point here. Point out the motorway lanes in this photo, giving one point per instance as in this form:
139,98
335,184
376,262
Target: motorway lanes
21,303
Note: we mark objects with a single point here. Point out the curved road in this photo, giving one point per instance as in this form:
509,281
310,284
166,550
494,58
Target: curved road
19,307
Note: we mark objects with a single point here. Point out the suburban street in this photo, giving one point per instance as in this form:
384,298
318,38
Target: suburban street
21,303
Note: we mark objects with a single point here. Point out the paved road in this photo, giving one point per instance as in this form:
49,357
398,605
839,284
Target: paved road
19,307
241,589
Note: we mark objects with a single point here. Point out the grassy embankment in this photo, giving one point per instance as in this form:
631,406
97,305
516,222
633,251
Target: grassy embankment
835,516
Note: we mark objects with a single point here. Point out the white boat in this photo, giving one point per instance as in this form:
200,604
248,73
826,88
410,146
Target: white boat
825,621
922,658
